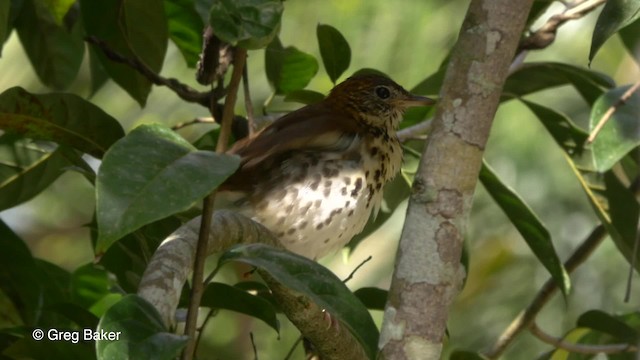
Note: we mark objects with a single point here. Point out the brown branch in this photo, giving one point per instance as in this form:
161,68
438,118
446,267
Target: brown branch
184,91
415,131
428,274
579,348
546,34
198,120
247,102
528,315
612,109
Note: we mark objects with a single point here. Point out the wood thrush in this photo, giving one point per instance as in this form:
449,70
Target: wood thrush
314,176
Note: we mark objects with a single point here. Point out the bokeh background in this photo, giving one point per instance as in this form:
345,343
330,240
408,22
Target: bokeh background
408,40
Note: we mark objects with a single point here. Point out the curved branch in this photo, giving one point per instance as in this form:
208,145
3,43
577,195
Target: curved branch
579,348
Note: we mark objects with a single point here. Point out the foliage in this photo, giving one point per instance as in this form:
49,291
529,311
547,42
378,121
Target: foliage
150,179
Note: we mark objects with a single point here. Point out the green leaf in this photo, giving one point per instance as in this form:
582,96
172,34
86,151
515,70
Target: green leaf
142,334
314,281
58,8
5,29
630,39
304,97
373,298
334,49
54,52
621,133
223,296
185,28
288,69
66,119
608,324
465,355
89,284
150,174
569,136
251,24
26,170
132,29
615,15
528,224
533,77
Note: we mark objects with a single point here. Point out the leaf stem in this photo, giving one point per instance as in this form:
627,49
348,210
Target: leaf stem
612,109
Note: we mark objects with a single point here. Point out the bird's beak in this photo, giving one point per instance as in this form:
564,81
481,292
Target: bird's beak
416,100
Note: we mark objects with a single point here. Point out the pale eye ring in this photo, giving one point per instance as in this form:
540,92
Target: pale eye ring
382,92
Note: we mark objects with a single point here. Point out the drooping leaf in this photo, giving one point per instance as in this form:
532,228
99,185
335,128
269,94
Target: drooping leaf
150,174
615,15
528,225
55,52
612,325
223,296
251,24
621,133
288,69
334,49
89,284
373,298
185,28
132,29
304,96
631,40
66,119
142,333
58,8
314,281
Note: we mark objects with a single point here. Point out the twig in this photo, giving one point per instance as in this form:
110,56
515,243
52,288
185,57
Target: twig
607,115
527,316
546,34
247,102
198,120
579,348
184,91
197,287
253,345
293,348
415,130
357,268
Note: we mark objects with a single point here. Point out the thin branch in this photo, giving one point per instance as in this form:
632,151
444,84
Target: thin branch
197,287
579,348
357,268
247,102
184,91
607,115
414,131
527,316
198,120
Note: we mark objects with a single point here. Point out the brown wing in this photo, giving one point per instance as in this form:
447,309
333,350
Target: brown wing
314,127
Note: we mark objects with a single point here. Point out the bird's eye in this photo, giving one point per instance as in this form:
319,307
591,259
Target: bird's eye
382,92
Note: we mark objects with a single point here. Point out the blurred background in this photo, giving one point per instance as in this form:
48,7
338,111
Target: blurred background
408,40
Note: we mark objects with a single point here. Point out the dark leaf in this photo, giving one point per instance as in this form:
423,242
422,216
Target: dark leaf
306,97
615,15
54,52
631,40
250,24
612,325
5,26
528,224
150,174
465,355
621,133
185,28
288,69
66,119
132,29
372,298
142,333
79,315
223,296
314,281
89,284
334,49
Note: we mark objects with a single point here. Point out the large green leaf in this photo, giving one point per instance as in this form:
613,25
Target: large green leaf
223,296
54,52
141,332
621,133
288,69
615,15
185,28
334,49
315,282
26,169
150,174
625,328
630,38
250,24
132,29
528,224
66,119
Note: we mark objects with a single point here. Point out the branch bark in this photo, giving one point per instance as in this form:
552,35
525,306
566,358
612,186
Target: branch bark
428,273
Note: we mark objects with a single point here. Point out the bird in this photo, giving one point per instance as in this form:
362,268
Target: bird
314,176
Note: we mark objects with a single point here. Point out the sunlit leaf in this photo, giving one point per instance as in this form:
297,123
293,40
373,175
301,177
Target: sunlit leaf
314,281
334,49
615,15
132,29
621,133
150,174
185,28
250,24
528,224
142,334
